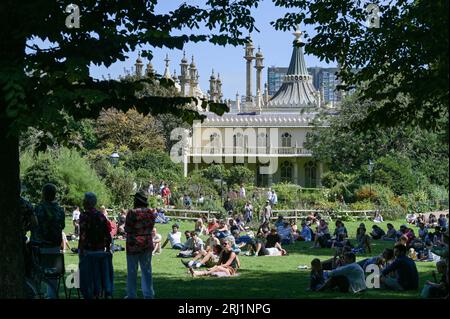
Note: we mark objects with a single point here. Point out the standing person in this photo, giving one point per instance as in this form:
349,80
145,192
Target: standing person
228,206
267,213
166,194
76,220
201,200
151,189
248,212
139,247
50,224
273,198
269,194
95,241
242,193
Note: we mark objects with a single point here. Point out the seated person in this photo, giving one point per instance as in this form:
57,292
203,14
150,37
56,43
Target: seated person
337,260
286,234
272,238
322,235
317,276
340,241
279,222
378,218
156,242
306,233
347,278
223,230
442,221
121,222
391,233
404,269
212,226
363,242
174,237
193,246
199,227
423,232
227,265
340,229
411,218
187,201
205,258
381,261
377,232
432,221
240,224
211,242
438,288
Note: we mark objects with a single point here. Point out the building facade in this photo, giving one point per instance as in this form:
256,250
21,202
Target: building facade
264,132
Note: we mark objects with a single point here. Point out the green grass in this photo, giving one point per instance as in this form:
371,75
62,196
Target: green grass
260,277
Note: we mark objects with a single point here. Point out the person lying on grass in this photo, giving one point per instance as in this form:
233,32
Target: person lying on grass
382,261
206,258
227,265
317,275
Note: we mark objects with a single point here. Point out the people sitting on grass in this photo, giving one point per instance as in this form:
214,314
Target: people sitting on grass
423,232
193,246
340,230
285,233
391,233
279,222
442,221
377,232
157,238
227,266
205,258
411,218
439,287
338,258
174,237
317,275
322,235
432,221
346,278
382,261
363,241
211,242
306,233
404,269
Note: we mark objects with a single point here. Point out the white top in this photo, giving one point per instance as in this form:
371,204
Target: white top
174,238
354,274
157,238
242,192
76,215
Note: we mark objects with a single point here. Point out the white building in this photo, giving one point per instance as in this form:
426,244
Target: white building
262,130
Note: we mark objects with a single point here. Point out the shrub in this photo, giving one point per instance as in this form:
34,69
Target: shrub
396,173
121,185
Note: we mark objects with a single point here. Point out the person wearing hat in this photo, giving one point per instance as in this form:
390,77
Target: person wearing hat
139,225
174,237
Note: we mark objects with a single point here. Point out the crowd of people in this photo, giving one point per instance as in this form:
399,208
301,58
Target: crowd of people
229,238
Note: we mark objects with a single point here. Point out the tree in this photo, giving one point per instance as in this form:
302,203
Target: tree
46,86
407,56
130,129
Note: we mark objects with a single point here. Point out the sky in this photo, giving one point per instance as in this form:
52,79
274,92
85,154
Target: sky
228,61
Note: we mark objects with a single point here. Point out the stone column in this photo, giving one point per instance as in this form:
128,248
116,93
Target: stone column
249,58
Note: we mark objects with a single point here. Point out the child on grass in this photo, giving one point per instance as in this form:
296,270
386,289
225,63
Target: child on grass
317,276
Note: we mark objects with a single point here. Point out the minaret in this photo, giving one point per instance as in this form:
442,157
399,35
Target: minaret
266,93
212,87
249,57
219,87
193,78
238,102
259,66
166,71
149,72
184,77
174,76
139,65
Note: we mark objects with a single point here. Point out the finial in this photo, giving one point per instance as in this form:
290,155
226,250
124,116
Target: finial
298,34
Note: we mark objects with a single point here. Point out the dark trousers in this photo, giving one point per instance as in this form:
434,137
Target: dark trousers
339,281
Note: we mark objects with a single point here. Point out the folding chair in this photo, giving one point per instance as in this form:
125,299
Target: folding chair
53,267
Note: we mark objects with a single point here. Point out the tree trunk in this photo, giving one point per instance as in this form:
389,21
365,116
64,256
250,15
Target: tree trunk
11,249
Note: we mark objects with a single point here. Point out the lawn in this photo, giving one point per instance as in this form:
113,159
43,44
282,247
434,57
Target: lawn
260,277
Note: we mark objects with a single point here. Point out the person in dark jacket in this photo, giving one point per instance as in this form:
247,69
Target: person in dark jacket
406,276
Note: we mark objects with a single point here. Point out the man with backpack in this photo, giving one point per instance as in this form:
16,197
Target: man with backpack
48,232
94,247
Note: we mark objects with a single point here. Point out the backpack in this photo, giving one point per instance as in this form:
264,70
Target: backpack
95,228
50,226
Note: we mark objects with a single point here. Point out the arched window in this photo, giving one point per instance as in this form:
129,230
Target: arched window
286,171
310,174
238,143
286,140
263,142
214,143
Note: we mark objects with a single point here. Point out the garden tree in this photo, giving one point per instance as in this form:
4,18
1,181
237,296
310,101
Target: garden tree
130,129
45,84
239,174
348,151
407,56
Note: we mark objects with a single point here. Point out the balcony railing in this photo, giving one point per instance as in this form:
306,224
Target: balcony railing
249,150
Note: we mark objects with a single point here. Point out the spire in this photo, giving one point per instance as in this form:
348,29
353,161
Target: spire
297,90
166,71
149,69
139,65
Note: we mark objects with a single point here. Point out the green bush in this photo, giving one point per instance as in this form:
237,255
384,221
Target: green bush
120,183
396,173
239,174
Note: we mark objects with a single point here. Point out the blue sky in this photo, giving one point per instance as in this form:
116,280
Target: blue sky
228,61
